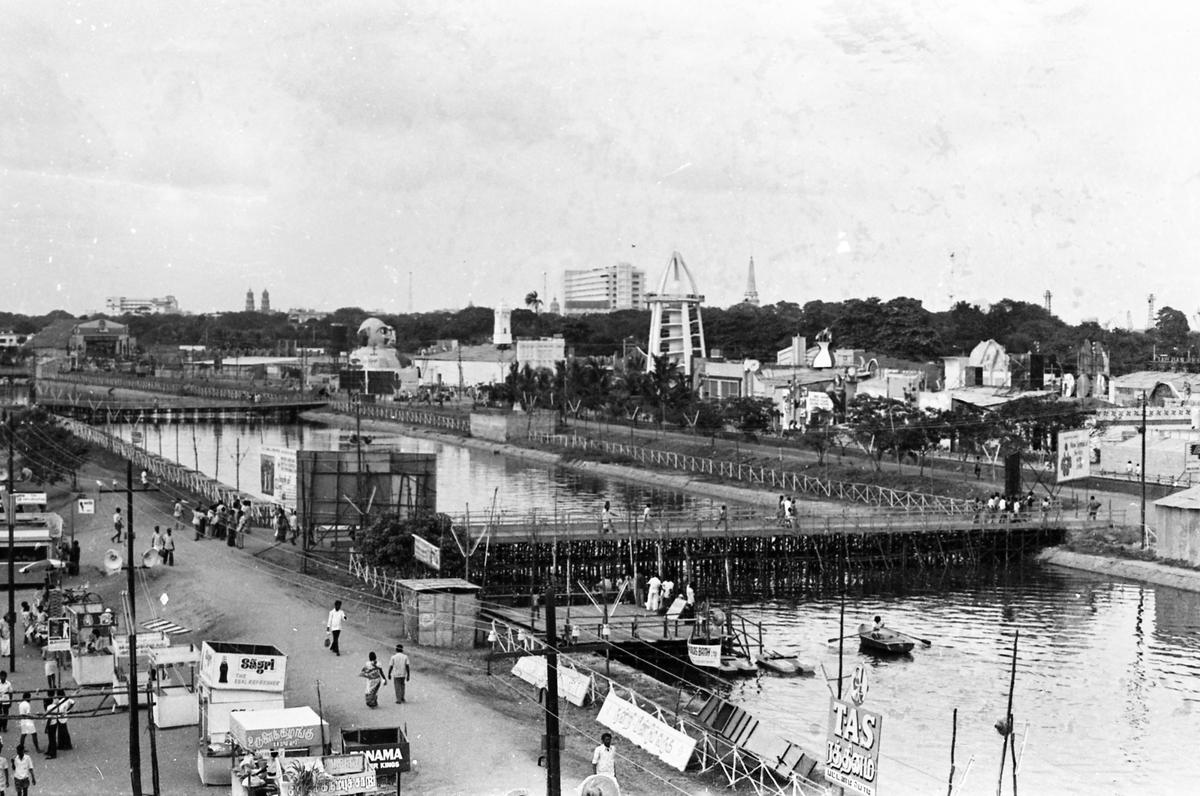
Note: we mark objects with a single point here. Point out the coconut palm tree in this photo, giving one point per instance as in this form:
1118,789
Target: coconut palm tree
533,302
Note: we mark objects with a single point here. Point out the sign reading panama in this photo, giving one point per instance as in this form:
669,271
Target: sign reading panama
852,747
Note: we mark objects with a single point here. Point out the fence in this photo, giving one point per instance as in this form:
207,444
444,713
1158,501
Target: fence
182,387
761,475
162,470
396,414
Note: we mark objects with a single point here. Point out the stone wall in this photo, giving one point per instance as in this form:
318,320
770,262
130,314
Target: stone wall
507,426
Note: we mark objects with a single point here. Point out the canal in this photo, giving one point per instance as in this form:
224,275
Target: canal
1107,696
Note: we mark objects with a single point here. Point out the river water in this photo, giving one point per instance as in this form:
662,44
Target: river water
1107,695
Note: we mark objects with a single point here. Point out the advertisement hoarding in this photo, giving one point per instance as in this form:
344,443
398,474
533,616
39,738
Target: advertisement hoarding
277,469
427,553
646,731
852,747
1074,454
572,686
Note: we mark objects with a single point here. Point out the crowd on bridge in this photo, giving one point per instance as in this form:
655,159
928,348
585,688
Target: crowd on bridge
1001,507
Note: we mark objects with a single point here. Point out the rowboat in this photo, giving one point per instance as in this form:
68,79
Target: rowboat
883,641
777,662
737,666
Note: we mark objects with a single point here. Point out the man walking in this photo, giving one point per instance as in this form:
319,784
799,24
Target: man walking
333,626
6,697
398,672
177,513
118,526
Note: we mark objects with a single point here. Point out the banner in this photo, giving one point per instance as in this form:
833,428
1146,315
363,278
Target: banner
277,468
646,732
1074,454
705,655
427,553
572,686
852,747
340,771
817,400
248,671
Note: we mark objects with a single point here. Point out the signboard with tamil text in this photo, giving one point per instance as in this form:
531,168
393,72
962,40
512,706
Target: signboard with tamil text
647,731
427,553
338,779
852,747
1074,454
572,686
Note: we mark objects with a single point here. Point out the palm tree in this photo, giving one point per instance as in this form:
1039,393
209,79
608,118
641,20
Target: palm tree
533,302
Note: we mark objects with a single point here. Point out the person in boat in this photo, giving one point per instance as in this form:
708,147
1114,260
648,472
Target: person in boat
877,628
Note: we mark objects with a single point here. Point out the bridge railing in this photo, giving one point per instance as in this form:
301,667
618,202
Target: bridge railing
777,479
183,387
399,414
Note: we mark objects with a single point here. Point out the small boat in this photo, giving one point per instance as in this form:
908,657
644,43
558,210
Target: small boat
883,641
777,662
737,666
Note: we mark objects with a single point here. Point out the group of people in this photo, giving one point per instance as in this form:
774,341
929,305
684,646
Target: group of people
1000,507
785,512
399,670
57,705
225,522
662,598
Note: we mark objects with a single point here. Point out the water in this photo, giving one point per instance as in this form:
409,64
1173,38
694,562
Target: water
1108,674
466,478
1108,681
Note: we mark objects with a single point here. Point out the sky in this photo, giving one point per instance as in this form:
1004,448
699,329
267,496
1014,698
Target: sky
425,155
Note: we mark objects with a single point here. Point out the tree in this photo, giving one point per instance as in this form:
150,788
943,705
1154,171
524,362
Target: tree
820,435
532,301
388,542
1171,327
750,415
46,451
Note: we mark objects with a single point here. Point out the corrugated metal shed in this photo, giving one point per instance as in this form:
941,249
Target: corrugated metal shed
1186,499
439,584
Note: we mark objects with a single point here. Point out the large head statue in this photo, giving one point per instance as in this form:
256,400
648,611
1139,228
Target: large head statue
374,333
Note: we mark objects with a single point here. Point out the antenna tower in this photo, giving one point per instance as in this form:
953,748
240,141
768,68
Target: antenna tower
1046,301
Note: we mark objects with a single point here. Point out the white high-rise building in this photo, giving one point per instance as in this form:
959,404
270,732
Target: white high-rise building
123,305
614,287
676,328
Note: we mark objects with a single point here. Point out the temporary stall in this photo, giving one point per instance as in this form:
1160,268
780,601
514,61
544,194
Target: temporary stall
91,628
176,696
260,739
120,663
346,774
440,612
233,676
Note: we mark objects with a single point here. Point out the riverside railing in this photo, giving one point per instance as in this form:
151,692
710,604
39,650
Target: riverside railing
398,414
163,470
761,475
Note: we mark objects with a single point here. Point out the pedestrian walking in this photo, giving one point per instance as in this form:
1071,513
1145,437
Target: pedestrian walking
374,674
293,525
156,542
5,774
1093,507
647,518
51,668
333,626
177,513
62,709
51,728
604,757
653,596
399,672
723,518
22,770
6,698
25,723
606,518
281,525
169,549
118,526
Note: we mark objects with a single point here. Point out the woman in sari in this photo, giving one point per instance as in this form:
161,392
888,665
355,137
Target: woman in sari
374,674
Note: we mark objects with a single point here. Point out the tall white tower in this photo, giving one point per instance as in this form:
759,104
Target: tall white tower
751,296
502,327
676,329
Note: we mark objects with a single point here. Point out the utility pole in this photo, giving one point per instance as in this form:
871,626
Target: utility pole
135,750
1143,468
553,783
10,513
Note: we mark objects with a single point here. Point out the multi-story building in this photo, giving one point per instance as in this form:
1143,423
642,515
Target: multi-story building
302,316
615,287
123,305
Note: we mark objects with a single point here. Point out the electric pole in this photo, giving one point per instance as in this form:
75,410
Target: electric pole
553,783
10,514
135,751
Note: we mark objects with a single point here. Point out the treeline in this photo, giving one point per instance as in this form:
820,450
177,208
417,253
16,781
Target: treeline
901,327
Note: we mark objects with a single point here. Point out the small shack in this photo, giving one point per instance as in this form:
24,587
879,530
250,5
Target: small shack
440,612
1178,525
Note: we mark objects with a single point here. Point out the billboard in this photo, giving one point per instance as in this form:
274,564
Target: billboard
1074,454
427,553
852,746
277,468
572,685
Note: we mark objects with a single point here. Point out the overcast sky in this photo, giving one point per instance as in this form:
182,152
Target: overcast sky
326,151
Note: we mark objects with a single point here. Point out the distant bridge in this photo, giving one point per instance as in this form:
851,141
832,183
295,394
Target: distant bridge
105,411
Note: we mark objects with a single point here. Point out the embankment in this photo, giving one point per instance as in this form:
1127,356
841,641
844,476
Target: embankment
1131,569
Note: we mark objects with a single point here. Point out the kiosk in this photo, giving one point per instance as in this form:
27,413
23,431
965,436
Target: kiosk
120,663
233,676
176,698
91,626
263,742
386,750
347,774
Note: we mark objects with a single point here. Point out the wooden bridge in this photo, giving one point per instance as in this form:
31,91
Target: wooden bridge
180,411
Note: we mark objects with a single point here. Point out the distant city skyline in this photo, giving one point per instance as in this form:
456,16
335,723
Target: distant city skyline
432,155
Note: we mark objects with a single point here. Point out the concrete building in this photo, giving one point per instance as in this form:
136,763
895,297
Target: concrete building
124,305
614,287
467,366
303,316
100,339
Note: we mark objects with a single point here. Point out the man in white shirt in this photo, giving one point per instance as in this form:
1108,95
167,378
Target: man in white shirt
604,757
399,672
6,697
333,626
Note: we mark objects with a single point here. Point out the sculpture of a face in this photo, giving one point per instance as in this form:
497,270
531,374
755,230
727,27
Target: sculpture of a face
374,333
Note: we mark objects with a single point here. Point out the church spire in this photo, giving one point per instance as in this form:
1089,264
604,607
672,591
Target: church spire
751,296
